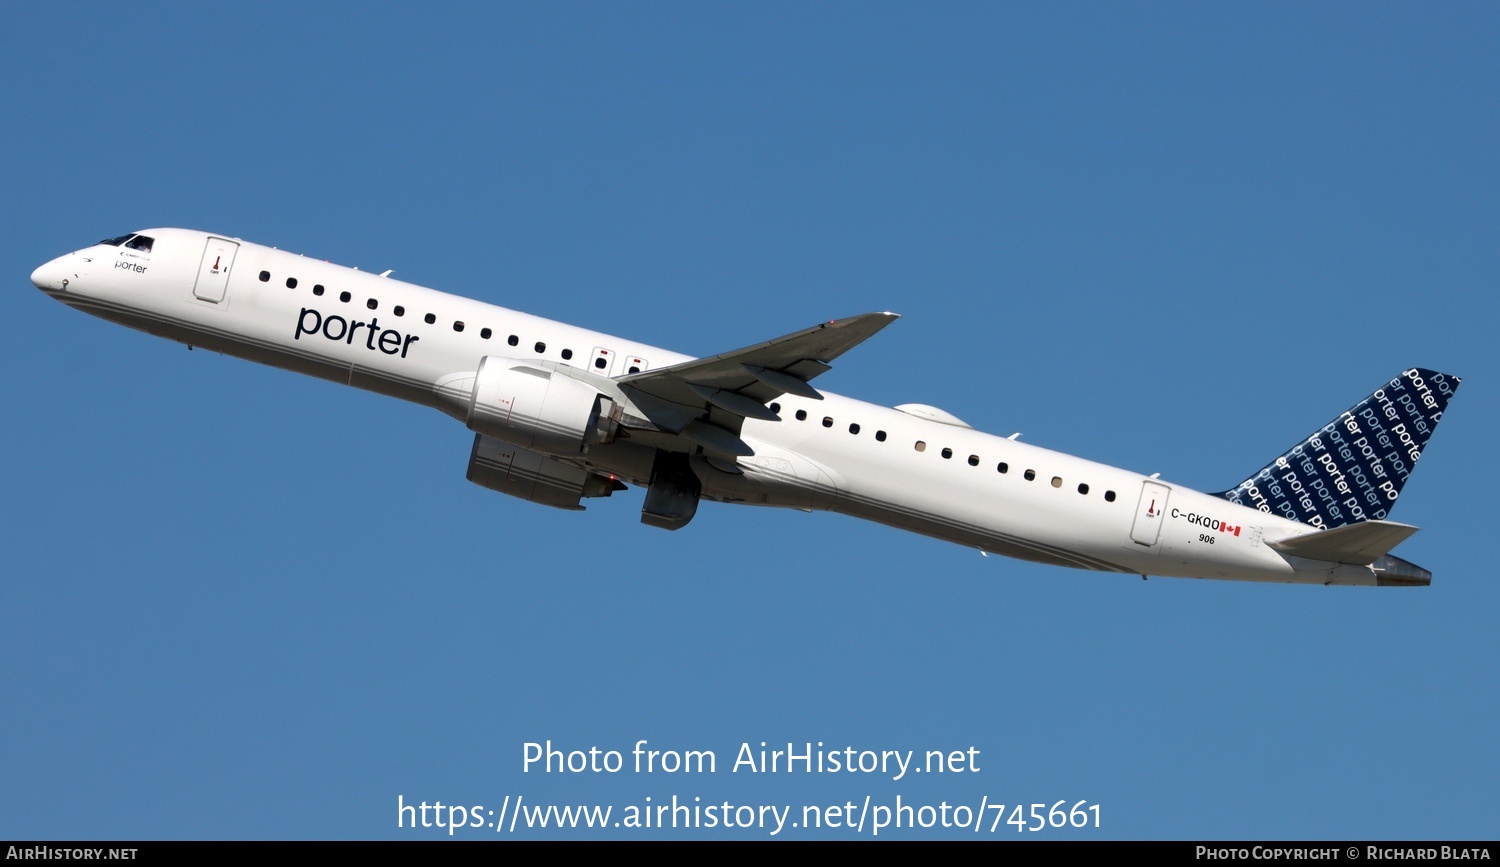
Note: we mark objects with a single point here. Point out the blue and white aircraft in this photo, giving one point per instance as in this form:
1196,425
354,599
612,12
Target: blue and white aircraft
561,414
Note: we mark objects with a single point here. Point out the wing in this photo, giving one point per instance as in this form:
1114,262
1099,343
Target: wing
706,400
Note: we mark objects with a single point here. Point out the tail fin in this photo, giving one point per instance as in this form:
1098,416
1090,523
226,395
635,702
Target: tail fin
1353,468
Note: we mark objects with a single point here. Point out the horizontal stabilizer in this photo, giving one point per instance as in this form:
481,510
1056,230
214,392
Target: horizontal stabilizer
1356,544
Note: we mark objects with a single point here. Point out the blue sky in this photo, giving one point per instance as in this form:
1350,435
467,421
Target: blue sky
1170,237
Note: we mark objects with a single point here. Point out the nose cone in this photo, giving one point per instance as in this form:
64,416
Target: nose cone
53,276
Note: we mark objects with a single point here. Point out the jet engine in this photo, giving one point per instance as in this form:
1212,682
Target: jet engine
535,409
512,470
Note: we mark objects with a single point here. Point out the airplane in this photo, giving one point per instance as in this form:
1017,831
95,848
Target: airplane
561,414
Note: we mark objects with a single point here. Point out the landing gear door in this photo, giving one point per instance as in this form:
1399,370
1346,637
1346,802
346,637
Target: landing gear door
1150,513
213,271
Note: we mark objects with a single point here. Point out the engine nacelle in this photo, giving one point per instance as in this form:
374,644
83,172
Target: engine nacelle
535,409
513,470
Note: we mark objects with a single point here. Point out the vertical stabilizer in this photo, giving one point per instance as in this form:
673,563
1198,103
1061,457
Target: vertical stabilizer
1353,468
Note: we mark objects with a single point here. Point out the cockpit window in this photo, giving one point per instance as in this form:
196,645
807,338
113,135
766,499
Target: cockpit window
131,242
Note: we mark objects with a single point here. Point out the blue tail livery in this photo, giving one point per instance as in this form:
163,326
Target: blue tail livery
1352,469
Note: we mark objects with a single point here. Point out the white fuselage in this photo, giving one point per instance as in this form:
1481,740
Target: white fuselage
943,480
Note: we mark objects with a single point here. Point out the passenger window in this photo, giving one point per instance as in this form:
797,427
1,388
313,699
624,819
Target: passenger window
1030,475
854,428
372,303
801,415
265,276
399,310
1083,489
880,436
540,347
827,421
947,453
601,363
317,288
775,407
345,296
634,369
429,318
973,460
1109,496
921,446
1003,467
458,326
291,282
512,340
1057,481
567,354
485,333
